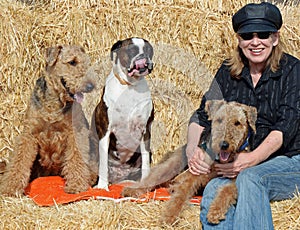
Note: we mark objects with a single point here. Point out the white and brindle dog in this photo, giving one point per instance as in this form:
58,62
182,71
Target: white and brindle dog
124,114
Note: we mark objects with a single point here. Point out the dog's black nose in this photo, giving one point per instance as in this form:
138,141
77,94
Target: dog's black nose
224,145
89,87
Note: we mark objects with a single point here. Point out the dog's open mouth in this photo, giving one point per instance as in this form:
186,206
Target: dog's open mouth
78,97
140,67
224,156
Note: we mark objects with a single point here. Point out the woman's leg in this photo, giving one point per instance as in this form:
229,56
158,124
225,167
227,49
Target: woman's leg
275,179
208,196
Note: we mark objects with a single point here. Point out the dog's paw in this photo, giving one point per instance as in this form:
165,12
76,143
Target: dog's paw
133,192
74,189
167,219
6,191
214,216
102,185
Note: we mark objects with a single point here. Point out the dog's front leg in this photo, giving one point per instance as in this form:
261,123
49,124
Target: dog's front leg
225,197
145,159
18,171
75,171
103,162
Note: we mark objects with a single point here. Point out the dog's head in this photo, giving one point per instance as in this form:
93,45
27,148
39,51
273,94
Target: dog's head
132,59
67,67
231,124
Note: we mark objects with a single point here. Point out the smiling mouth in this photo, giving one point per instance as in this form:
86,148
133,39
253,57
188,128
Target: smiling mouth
256,51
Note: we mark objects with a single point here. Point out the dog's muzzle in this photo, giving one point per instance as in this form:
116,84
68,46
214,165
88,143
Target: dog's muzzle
141,65
78,96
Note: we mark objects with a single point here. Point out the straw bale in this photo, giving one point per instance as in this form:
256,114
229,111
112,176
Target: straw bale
190,39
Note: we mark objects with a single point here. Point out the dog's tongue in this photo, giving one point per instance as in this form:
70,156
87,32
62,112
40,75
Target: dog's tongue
139,67
78,97
224,155
140,63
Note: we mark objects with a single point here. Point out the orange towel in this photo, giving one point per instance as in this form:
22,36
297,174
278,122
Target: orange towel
48,191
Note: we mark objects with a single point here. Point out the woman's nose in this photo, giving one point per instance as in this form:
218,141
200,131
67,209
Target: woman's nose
256,40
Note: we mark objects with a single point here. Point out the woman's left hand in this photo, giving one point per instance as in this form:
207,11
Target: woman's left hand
241,162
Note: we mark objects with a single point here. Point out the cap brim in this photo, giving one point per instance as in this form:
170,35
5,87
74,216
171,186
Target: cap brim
256,27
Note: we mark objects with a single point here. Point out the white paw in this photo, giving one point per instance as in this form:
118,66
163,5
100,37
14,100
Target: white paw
102,185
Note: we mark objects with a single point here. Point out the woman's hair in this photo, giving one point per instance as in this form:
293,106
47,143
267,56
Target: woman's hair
238,60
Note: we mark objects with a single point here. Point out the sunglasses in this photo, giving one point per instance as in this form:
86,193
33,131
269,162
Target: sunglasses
260,35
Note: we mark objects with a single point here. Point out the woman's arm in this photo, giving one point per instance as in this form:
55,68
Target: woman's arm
196,156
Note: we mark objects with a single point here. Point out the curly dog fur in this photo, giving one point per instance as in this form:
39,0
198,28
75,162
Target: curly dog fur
231,124
55,139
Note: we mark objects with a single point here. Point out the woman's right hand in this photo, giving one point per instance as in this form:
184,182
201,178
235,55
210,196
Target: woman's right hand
196,160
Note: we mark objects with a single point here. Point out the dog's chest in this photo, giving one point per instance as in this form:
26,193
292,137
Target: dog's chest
129,107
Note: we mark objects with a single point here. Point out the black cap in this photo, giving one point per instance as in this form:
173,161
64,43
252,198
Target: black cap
263,17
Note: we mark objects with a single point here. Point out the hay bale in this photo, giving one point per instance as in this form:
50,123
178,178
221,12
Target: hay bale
190,39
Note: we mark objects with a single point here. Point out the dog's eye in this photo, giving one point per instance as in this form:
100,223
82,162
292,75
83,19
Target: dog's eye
73,62
237,123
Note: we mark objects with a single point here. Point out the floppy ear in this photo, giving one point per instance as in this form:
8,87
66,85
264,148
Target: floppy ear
114,48
52,55
149,48
212,106
251,114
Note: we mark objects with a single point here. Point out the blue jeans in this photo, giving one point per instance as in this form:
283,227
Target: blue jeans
275,179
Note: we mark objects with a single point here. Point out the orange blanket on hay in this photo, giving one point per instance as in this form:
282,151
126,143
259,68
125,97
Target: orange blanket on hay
48,191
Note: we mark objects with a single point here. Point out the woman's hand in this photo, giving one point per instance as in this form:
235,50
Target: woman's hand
196,163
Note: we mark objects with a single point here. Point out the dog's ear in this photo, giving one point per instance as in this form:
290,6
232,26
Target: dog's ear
212,106
114,48
149,48
251,114
52,55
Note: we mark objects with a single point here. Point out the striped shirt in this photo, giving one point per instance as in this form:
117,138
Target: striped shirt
276,98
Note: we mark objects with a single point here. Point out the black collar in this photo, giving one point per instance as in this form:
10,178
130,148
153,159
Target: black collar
246,142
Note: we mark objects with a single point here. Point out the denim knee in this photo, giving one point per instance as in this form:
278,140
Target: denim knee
247,177
214,184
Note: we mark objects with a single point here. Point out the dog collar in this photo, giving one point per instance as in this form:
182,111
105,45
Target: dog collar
246,143
121,80
212,155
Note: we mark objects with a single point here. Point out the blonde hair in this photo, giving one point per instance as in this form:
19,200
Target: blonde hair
238,60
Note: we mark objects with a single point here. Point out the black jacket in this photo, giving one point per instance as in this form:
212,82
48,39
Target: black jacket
276,97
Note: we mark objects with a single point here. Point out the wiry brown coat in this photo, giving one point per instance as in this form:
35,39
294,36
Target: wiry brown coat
231,123
55,139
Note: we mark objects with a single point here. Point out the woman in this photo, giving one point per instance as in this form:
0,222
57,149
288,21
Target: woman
261,75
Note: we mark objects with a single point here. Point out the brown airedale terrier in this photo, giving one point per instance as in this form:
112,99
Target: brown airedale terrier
231,129
55,136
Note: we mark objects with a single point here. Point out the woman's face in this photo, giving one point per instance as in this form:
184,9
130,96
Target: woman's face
258,50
